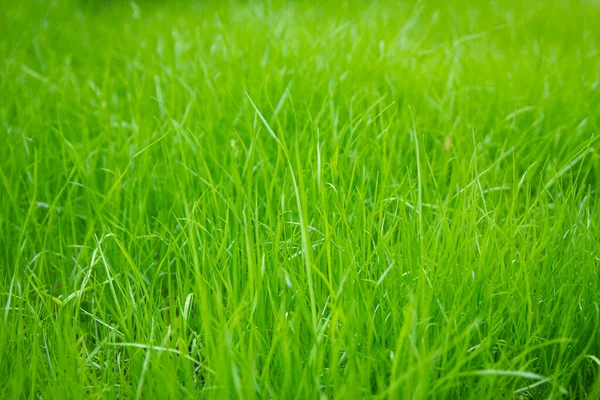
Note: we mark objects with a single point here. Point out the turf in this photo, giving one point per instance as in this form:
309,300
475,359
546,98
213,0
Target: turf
339,199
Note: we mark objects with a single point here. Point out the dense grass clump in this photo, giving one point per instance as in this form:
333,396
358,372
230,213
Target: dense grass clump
337,199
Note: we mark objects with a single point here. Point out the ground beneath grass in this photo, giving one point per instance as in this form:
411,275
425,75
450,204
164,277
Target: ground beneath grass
338,199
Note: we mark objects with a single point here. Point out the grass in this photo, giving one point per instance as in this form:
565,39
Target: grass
291,200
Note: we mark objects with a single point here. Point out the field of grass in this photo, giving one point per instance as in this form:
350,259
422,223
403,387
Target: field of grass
339,199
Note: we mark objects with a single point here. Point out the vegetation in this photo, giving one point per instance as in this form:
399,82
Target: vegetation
338,199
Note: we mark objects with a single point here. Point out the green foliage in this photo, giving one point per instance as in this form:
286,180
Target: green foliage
338,199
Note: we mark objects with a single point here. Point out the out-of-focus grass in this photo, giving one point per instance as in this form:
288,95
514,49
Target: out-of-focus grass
294,200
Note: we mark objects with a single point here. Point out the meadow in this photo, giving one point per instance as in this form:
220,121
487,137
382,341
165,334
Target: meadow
289,200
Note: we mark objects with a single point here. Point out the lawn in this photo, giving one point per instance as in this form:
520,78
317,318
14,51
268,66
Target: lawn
289,200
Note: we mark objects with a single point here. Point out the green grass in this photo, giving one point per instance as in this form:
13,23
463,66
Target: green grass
342,199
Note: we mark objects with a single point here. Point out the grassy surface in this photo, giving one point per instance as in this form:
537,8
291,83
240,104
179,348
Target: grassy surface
266,200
